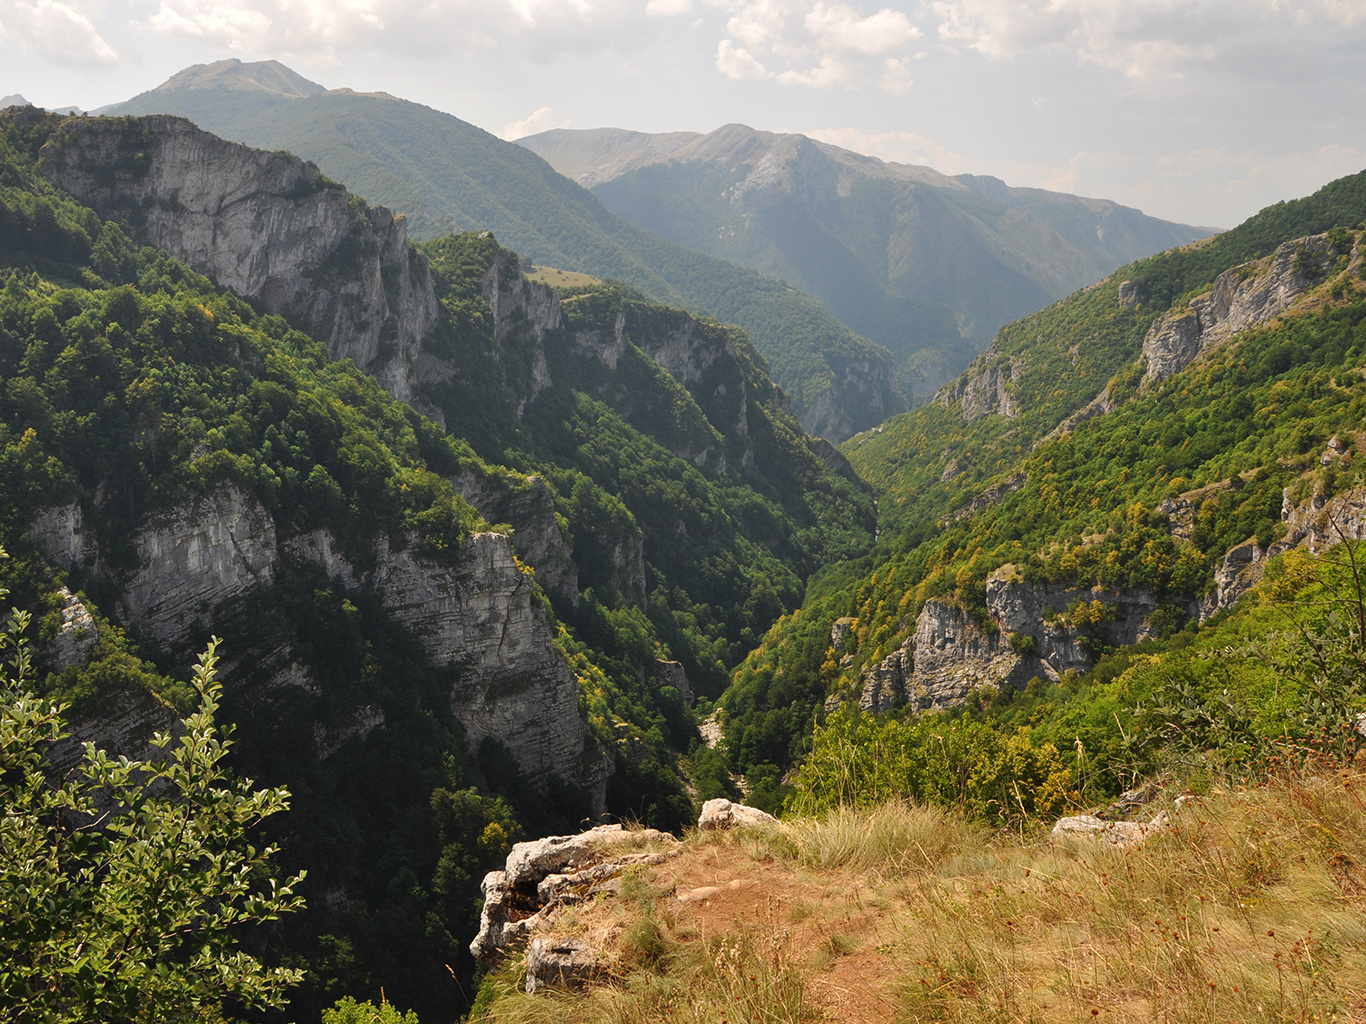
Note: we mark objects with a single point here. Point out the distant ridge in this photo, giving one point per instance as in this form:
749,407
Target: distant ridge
445,175
14,101
232,75
926,264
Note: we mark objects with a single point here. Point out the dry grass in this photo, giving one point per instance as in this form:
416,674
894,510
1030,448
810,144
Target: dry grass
561,278
1252,907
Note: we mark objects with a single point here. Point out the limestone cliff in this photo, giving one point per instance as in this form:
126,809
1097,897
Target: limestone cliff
267,225
195,557
1033,629
480,615
476,612
1242,297
861,394
985,392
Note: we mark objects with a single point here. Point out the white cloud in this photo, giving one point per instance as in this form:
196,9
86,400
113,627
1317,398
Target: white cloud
58,32
816,44
839,27
760,22
896,77
737,62
825,74
1146,39
542,119
324,29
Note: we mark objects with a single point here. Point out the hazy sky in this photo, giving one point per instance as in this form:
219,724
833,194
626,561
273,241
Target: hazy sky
1196,110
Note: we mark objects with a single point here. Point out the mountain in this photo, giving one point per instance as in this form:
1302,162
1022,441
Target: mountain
925,264
442,629
1114,469
13,101
444,174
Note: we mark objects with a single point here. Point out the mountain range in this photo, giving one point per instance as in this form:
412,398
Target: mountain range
813,250
923,263
445,174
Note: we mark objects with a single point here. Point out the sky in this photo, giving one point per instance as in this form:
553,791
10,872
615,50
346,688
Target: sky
1199,111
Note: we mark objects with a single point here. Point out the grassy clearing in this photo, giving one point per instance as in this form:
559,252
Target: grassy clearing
560,278
1251,907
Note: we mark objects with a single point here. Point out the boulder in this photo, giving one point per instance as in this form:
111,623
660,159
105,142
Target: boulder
1088,826
721,813
559,962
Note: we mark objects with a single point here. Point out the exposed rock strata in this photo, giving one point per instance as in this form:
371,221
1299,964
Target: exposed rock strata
860,396
1242,297
481,614
530,510
194,557
1315,524
76,636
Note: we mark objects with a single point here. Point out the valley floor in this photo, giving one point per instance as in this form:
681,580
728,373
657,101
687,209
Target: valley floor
1251,906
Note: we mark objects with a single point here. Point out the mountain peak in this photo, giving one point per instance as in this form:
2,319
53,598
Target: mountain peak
14,101
232,75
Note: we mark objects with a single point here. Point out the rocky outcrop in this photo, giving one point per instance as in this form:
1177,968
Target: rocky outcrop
860,396
993,495
671,673
76,636
59,533
1242,297
1032,630
543,875
529,507
1315,524
522,309
267,225
721,813
480,613
193,558
985,391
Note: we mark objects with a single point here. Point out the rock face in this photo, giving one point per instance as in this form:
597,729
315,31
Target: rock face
541,875
561,962
266,225
210,550
950,656
76,636
477,611
1315,524
481,615
984,393
60,535
122,725
530,509
861,395
1241,298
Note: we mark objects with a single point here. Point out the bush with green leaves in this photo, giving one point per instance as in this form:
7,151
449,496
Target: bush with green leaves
126,884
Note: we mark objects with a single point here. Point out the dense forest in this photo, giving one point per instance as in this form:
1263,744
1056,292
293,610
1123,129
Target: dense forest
1081,505
133,384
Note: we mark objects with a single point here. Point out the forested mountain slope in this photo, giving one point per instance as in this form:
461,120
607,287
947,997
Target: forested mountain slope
1114,468
923,263
447,175
181,460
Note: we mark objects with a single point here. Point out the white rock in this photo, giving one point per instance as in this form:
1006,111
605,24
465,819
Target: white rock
721,813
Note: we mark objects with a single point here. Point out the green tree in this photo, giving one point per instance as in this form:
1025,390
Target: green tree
125,885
